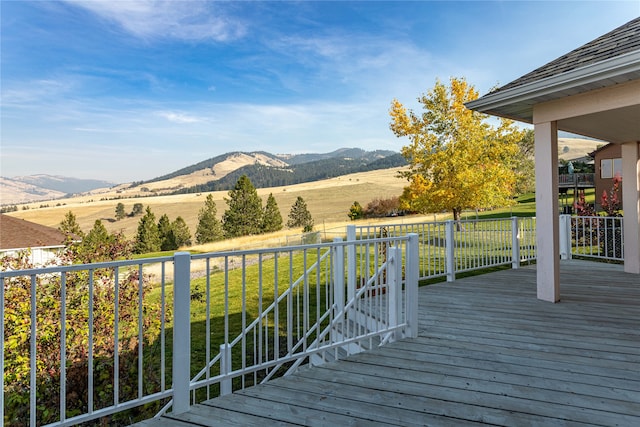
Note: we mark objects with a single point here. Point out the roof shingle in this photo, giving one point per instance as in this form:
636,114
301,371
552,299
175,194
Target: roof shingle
623,39
18,233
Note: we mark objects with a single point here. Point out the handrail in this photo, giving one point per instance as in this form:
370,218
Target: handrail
328,273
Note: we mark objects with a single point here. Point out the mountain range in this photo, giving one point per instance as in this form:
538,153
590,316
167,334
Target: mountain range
222,172
217,173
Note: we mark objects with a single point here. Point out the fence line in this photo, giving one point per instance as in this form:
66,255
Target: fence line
451,247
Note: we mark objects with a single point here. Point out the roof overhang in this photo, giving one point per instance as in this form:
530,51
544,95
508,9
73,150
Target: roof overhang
517,103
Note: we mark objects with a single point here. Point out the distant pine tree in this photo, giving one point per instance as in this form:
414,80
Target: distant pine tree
209,228
181,233
244,215
272,219
69,226
299,216
148,237
165,232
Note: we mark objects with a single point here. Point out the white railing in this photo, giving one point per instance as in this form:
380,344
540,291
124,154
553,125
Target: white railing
79,340
451,247
229,320
83,342
594,237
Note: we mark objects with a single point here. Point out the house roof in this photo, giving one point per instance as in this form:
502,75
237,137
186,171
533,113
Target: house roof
600,150
18,233
609,60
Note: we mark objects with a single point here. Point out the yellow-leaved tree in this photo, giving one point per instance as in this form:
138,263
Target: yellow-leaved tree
457,159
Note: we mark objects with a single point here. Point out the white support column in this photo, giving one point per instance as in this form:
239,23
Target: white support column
631,205
547,239
181,331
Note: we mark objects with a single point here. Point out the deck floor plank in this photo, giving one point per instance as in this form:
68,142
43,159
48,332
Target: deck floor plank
488,353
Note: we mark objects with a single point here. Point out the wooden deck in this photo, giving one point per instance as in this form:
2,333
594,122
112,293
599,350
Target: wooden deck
488,352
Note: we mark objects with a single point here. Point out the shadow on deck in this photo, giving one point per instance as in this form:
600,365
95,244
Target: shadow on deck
488,352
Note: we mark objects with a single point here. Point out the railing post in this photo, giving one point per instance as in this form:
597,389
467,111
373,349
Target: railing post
412,273
225,369
450,251
565,236
515,243
338,275
181,331
351,262
394,276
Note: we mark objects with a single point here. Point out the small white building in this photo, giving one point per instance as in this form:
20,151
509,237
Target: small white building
19,234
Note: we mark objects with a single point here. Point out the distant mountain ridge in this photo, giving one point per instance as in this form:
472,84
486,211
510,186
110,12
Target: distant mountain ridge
268,170
64,184
33,188
217,173
263,176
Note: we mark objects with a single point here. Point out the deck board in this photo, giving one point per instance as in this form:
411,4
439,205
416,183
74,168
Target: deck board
488,352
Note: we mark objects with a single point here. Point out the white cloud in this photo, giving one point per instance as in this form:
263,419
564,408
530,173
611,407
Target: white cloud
184,20
178,117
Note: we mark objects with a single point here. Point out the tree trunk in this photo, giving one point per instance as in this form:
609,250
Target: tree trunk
456,218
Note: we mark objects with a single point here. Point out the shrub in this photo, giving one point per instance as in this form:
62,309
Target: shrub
379,208
48,315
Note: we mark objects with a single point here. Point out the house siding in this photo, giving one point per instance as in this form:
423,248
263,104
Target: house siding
608,154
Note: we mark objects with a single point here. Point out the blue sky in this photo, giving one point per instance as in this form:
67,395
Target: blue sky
131,90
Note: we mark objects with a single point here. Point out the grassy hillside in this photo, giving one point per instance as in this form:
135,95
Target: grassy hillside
328,201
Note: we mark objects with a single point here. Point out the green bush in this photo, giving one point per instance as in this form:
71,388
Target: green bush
77,310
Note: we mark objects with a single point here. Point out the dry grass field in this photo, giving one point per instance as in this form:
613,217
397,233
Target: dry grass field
575,148
328,201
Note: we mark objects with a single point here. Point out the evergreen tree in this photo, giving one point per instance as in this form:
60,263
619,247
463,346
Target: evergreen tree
272,219
209,228
299,216
181,233
147,239
96,235
98,245
244,214
165,233
120,213
69,226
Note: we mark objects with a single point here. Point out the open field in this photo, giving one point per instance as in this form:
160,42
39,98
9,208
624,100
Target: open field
328,201
576,148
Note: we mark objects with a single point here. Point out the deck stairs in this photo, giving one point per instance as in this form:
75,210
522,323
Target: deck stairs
364,320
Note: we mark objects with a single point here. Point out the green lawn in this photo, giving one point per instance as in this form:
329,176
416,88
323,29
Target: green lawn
525,206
